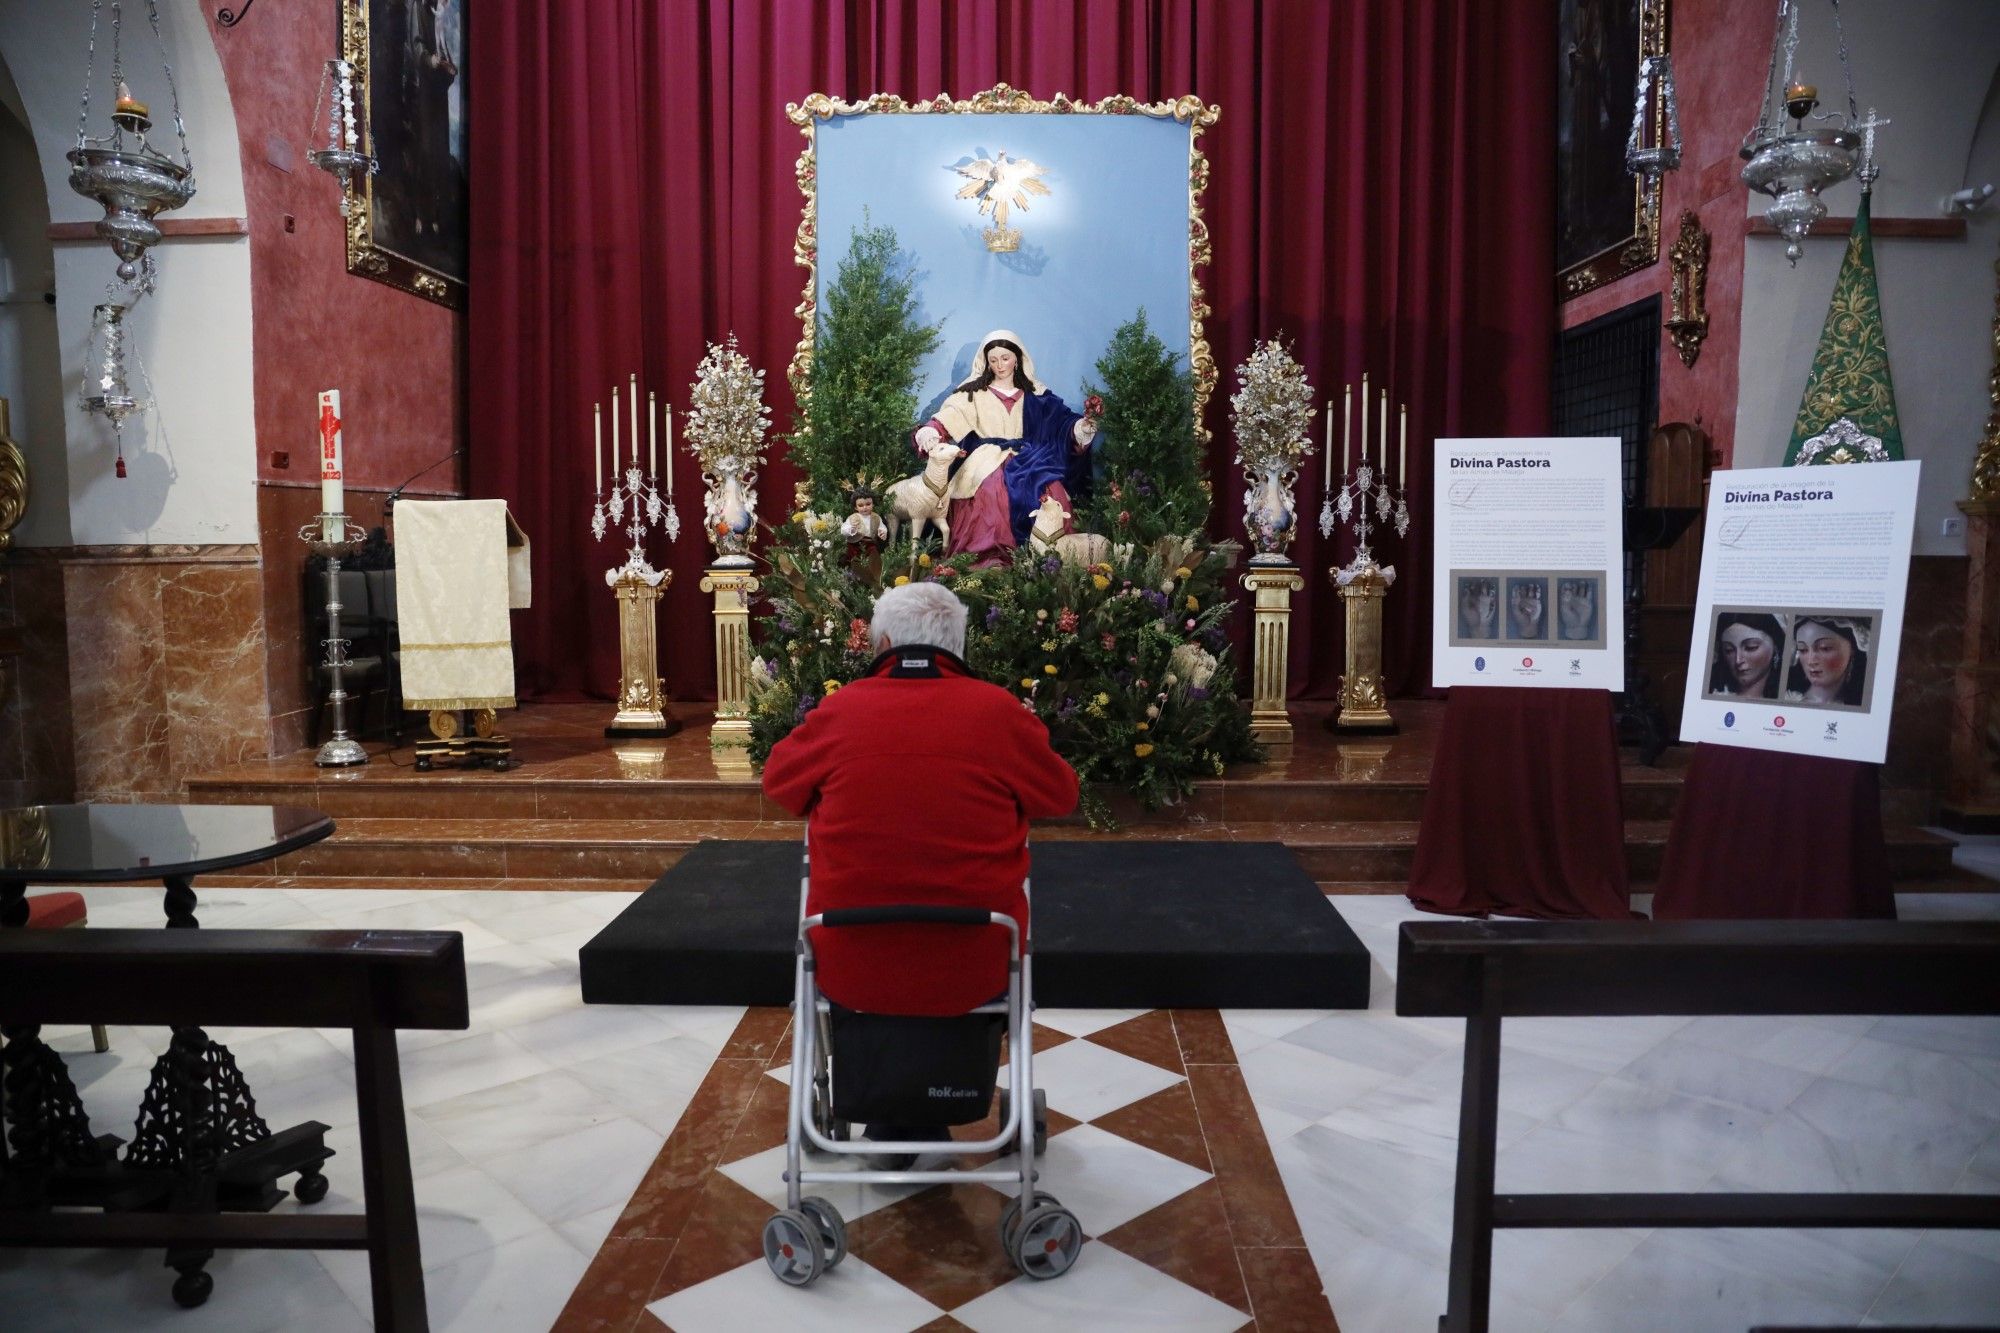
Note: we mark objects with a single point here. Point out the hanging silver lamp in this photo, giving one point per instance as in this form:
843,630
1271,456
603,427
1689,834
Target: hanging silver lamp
343,157
122,170
107,385
1653,147
1794,163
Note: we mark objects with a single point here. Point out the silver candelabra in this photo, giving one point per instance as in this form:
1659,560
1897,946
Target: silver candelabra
1351,504
635,503
341,750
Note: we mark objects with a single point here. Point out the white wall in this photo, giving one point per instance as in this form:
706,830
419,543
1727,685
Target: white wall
1928,65
192,460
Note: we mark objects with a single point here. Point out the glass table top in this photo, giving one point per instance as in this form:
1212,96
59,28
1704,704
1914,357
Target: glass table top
57,843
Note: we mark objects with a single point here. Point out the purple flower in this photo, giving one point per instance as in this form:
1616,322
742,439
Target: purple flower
1157,598
1197,692
992,616
785,626
807,702
1052,564
1067,708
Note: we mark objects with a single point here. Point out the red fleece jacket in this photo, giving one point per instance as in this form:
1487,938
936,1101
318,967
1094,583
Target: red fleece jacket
919,781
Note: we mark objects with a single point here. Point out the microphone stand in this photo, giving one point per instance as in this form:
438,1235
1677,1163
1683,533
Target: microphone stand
389,501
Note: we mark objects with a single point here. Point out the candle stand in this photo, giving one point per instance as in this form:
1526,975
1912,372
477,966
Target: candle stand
340,750
636,502
1363,583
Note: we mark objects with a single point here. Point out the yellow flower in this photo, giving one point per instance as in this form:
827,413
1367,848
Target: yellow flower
1192,604
829,685
1049,670
1142,749
924,560
1182,572
799,517
901,579
1103,699
1027,683
1099,582
1143,727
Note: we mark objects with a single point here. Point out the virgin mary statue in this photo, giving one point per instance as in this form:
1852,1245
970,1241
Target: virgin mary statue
1022,444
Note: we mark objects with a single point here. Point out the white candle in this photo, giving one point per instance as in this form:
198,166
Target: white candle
597,446
614,437
1328,460
635,422
1346,426
1403,451
653,435
331,474
670,451
1364,418
1382,440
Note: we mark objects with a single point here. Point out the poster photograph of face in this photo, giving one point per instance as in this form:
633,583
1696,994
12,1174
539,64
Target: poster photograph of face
1804,658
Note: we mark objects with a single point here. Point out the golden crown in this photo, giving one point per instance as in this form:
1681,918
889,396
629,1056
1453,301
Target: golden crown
1002,240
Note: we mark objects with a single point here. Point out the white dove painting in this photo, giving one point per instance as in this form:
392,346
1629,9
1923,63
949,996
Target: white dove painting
1001,184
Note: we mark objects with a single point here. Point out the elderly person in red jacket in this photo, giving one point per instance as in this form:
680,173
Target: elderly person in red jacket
919,781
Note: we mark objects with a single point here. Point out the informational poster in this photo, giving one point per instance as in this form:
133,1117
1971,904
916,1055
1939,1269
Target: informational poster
1530,561
1800,614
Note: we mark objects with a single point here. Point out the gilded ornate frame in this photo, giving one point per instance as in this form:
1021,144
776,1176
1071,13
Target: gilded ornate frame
364,257
1189,110
1642,247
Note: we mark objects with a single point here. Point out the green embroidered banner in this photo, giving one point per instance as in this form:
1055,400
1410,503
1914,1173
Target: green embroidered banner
1848,414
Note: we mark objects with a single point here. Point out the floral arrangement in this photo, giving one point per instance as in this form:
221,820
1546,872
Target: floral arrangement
726,425
1126,661
1271,415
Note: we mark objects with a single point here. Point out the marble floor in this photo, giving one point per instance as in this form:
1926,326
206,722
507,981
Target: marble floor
599,1167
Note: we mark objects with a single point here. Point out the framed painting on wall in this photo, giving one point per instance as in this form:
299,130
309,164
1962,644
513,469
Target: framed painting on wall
1055,220
1607,220
406,224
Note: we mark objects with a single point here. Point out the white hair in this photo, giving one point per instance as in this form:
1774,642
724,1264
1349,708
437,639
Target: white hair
919,613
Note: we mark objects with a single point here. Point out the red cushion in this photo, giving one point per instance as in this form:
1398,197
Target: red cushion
50,910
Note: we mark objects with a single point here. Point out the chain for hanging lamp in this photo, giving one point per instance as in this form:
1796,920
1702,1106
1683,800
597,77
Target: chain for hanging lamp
122,170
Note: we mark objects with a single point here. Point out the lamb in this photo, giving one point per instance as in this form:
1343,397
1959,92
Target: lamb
1073,548
924,499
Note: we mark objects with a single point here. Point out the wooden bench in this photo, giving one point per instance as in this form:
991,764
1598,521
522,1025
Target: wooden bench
371,982
1484,971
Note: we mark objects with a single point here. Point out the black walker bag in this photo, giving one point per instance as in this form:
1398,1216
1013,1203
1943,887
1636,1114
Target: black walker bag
896,1069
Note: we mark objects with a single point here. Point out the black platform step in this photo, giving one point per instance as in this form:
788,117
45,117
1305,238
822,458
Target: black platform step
1124,925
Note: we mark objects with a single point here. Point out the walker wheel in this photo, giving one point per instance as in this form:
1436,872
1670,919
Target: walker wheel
793,1249
1004,1098
1047,1241
1011,1216
832,1230
310,1188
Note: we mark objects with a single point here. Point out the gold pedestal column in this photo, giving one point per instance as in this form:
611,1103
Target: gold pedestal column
1362,708
733,589
642,695
1272,586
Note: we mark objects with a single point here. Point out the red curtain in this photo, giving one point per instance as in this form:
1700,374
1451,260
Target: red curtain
1381,194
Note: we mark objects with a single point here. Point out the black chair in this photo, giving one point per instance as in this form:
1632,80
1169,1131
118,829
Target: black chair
365,654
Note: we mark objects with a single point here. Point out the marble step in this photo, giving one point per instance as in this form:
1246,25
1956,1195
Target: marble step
384,791
1340,853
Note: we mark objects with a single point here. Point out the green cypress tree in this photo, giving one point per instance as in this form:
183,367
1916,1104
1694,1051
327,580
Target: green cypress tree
861,386
1150,458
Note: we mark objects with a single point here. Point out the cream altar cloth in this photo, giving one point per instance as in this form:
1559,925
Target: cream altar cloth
460,566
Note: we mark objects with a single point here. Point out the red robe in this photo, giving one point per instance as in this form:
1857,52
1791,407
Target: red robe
919,781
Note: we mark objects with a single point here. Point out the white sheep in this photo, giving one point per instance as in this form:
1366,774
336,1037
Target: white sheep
925,498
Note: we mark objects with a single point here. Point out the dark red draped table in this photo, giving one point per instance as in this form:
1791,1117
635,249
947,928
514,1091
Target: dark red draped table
1524,816
1771,836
